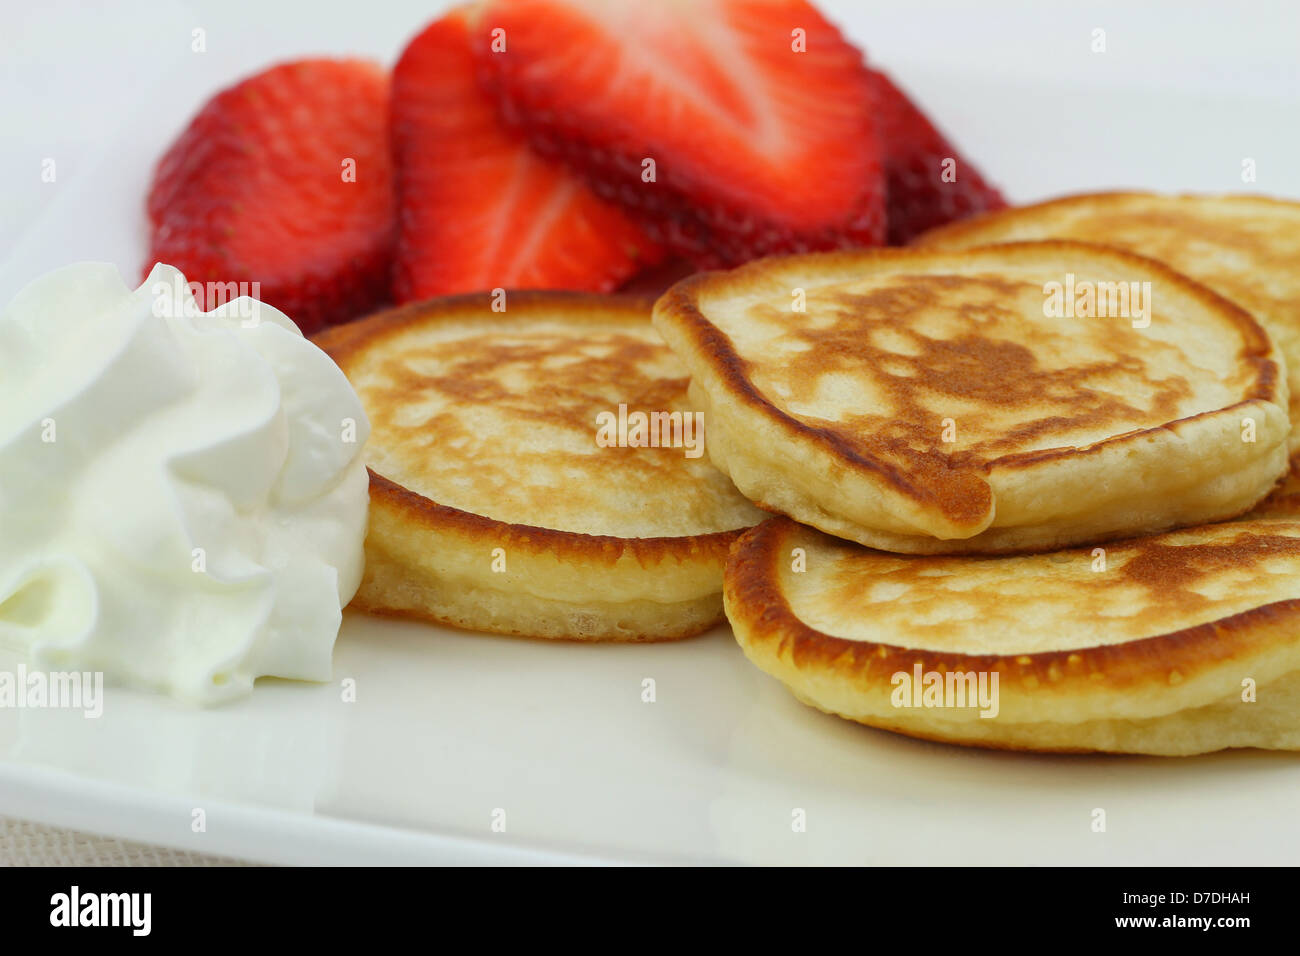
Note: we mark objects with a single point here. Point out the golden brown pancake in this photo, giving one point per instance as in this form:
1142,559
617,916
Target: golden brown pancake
1246,248
1180,643
493,505
1283,501
923,401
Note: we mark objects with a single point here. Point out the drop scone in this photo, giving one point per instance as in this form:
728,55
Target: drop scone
513,487
1179,643
1246,248
934,402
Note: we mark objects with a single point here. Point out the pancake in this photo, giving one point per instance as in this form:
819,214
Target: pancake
1283,501
1246,248
493,506
925,403
1156,651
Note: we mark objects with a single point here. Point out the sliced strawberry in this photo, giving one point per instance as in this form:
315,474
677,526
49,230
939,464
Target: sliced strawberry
260,188
655,281
480,209
757,116
915,152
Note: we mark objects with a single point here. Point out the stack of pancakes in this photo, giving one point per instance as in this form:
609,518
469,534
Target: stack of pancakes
1031,476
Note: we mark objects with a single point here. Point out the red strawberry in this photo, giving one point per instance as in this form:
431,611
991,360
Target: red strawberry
258,189
656,281
480,210
757,115
917,196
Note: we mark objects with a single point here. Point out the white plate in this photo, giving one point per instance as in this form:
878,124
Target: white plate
449,727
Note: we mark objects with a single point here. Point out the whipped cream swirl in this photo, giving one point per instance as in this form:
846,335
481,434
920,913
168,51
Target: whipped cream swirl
182,493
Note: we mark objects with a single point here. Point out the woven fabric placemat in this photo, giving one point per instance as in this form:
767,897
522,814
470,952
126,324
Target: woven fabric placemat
34,844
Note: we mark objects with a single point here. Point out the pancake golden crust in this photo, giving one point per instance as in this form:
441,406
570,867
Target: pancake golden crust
1064,431
1283,501
1245,247
1141,659
480,419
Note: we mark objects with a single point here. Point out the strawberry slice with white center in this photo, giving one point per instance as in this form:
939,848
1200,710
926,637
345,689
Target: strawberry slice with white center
479,208
734,128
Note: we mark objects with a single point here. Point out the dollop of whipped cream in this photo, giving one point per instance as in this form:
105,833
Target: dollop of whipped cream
182,493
